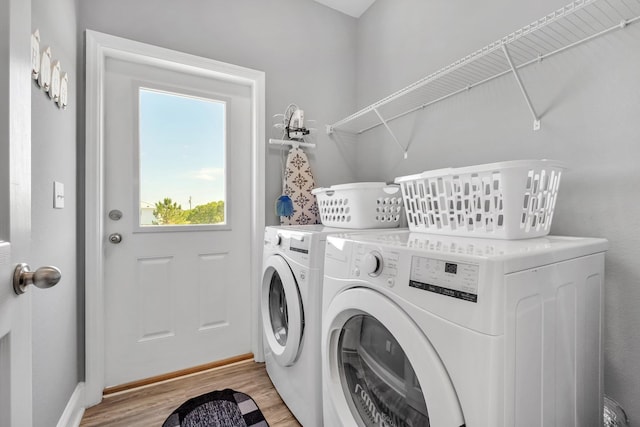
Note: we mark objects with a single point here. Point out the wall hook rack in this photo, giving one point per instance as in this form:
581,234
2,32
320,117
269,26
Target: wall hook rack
576,23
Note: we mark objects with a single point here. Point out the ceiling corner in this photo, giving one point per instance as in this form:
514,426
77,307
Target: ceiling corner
353,8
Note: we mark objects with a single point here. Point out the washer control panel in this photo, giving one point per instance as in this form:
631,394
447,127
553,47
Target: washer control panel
452,279
299,244
370,263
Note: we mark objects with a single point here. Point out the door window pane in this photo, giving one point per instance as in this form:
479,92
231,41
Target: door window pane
182,143
380,384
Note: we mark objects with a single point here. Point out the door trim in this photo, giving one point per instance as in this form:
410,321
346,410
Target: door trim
99,47
16,351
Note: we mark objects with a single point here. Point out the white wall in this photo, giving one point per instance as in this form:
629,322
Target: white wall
305,49
55,318
4,123
589,101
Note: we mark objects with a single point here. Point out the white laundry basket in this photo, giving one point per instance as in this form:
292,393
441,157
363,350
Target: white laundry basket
507,200
360,205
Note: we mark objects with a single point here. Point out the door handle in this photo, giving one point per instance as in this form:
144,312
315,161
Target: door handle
43,278
115,238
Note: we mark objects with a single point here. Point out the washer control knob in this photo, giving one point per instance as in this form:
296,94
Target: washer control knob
372,263
276,240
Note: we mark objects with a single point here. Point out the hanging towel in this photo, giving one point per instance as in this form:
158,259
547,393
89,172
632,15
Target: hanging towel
298,185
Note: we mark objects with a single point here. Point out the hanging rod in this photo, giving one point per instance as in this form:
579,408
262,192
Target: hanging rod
567,27
292,143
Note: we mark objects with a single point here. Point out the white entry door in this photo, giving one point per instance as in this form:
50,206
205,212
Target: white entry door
15,212
177,220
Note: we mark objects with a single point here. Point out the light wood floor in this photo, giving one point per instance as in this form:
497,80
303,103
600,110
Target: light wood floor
151,405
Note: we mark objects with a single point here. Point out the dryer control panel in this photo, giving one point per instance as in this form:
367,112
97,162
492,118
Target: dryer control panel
388,267
453,279
382,266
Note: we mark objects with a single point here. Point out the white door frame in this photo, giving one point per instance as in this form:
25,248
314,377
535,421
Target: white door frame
15,209
99,47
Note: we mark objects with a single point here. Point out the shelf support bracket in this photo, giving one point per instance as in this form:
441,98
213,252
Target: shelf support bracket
536,119
386,125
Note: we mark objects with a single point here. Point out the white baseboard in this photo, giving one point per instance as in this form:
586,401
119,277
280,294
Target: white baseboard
74,410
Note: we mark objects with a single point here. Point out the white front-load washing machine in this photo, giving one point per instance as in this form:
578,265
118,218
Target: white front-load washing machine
291,301
425,330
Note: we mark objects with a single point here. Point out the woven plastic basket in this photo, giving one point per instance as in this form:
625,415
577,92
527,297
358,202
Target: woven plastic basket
360,205
507,200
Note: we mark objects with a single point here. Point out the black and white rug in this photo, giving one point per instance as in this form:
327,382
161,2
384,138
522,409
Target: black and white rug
220,408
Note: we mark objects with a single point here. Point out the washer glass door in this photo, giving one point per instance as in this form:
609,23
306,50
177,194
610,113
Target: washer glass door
378,376
282,315
278,311
379,367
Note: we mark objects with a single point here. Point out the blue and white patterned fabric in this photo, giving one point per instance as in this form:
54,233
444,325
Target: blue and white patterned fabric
298,185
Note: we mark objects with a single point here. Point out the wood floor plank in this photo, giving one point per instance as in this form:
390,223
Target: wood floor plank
150,405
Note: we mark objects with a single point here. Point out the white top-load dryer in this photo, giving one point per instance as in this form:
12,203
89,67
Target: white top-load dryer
425,330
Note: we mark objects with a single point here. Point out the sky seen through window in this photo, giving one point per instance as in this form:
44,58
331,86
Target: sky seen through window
181,149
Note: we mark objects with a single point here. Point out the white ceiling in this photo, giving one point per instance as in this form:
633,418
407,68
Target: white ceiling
353,8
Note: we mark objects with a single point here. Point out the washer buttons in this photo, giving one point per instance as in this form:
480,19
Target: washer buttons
391,282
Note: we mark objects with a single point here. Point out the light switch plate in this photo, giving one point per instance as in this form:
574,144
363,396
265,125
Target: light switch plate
58,195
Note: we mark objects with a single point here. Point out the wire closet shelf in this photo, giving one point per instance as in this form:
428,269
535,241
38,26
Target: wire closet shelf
576,23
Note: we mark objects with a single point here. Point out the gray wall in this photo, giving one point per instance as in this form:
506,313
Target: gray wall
55,319
305,49
589,101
